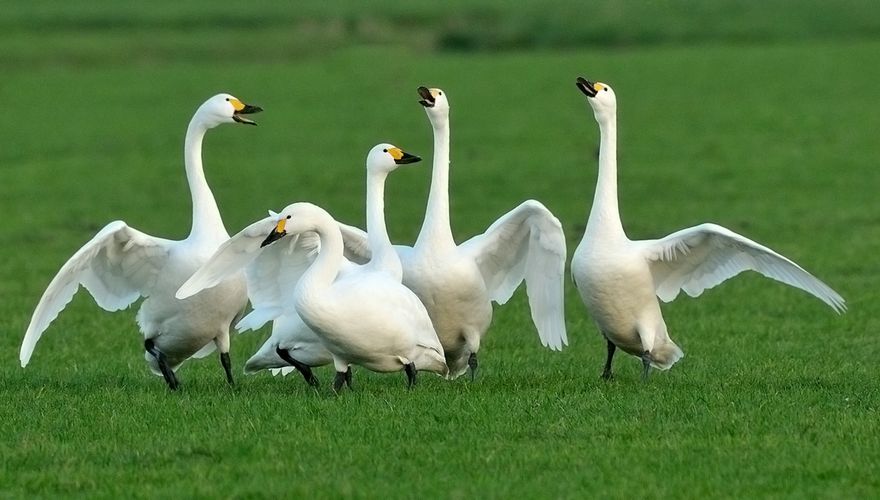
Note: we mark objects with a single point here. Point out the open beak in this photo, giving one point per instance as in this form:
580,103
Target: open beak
586,86
246,110
427,99
277,233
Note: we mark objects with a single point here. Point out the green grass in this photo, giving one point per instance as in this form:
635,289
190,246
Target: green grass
776,397
101,32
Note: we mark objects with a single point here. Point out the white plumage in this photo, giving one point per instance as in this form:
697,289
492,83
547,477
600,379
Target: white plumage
291,337
458,283
620,280
361,314
121,264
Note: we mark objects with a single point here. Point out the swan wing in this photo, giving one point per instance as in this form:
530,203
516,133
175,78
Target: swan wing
117,266
230,258
356,244
272,271
272,276
283,371
703,256
526,243
205,351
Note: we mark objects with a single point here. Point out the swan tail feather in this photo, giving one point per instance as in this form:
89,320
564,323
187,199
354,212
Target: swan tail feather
665,355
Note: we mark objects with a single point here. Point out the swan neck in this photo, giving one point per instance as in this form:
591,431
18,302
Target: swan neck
384,257
436,229
206,220
323,271
605,214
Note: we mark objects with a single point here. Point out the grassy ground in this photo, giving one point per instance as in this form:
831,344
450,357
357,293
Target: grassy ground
776,397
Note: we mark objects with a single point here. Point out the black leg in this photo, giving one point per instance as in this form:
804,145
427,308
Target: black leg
348,377
227,367
339,381
646,362
302,368
167,372
410,374
606,374
473,365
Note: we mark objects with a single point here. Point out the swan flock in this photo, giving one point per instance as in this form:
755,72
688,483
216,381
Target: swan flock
335,294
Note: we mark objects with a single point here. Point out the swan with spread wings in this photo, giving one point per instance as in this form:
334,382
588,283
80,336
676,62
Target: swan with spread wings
458,283
120,264
620,280
296,269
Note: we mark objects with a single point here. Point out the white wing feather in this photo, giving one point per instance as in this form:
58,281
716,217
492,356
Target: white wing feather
232,257
703,256
283,371
117,266
272,271
357,245
272,276
526,243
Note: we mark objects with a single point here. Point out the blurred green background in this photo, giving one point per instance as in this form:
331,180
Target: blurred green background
760,116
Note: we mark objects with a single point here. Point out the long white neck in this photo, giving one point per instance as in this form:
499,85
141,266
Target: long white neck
206,221
323,271
384,257
605,216
436,231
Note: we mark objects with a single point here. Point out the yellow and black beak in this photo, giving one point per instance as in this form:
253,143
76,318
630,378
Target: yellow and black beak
277,233
589,88
401,157
240,109
427,98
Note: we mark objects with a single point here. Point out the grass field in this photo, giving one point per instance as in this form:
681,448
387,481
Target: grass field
775,138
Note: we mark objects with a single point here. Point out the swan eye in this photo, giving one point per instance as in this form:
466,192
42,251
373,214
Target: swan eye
605,89
439,93
227,99
288,216
384,150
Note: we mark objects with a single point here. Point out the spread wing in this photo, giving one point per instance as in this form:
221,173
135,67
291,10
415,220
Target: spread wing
272,271
526,243
273,275
118,266
230,258
701,257
357,246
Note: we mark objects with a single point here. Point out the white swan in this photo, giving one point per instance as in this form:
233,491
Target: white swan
458,283
619,279
121,264
292,343
362,314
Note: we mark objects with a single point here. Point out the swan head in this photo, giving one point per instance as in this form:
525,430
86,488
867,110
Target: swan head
298,218
226,108
385,158
600,96
435,102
